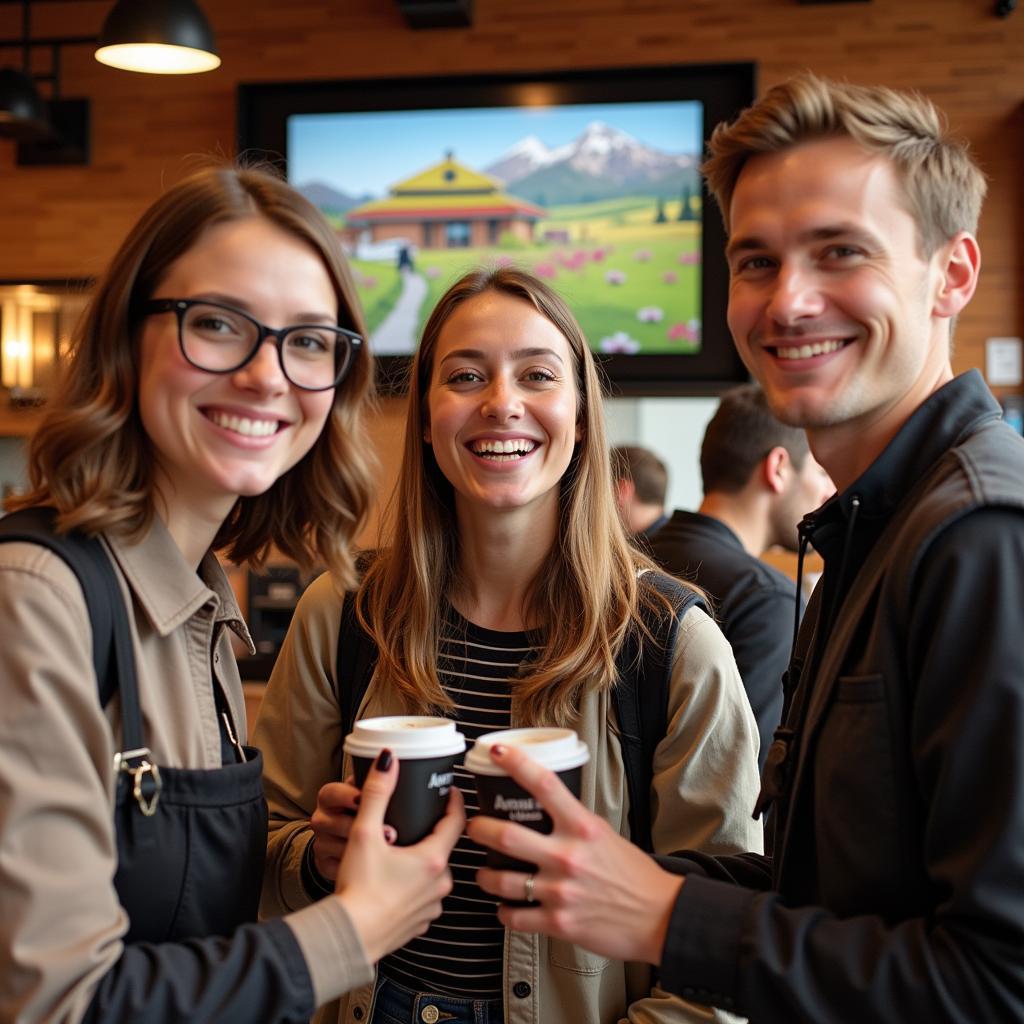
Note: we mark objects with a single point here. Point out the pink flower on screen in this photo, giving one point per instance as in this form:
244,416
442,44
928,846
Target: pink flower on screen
650,314
620,341
681,332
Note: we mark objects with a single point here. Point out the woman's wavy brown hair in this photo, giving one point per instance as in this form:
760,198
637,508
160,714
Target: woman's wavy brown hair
584,601
91,458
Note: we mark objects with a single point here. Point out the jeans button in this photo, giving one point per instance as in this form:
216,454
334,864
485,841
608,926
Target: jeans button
358,1013
430,1014
521,989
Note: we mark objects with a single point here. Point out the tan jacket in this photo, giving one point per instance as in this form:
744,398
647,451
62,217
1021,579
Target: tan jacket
704,786
61,924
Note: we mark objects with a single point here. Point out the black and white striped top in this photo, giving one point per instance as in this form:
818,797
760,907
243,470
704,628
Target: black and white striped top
461,953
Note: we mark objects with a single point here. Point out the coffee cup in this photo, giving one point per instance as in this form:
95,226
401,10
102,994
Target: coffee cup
560,750
427,750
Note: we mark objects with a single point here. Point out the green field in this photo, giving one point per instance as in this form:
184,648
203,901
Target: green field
617,262
378,285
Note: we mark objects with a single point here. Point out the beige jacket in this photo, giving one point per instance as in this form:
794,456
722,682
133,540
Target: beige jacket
60,920
704,786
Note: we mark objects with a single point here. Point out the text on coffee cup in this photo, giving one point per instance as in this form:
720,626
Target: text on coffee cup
519,808
441,781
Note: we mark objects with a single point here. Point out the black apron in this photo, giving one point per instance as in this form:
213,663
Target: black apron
190,842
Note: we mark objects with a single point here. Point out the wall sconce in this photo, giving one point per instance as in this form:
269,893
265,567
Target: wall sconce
35,328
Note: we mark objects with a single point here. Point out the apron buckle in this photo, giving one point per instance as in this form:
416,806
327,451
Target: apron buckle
142,767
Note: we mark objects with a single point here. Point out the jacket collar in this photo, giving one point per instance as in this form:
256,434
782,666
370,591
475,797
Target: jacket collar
937,425
167,589
709,525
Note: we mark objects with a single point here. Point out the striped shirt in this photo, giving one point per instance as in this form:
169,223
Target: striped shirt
462,952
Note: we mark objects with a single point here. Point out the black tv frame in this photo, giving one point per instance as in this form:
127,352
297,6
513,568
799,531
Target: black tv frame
722,89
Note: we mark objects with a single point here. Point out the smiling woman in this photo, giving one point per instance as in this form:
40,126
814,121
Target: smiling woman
134,844
221,431
502,411
508,595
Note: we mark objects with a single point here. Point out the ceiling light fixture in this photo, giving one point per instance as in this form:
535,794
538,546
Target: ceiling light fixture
22,110
158,37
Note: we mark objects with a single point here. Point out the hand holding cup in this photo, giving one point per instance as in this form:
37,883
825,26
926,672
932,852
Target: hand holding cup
593,887
336,805
392,893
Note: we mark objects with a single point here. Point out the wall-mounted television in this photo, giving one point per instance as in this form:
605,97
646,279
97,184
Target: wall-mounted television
587,178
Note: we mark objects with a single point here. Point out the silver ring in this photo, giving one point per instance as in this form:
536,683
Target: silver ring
528,886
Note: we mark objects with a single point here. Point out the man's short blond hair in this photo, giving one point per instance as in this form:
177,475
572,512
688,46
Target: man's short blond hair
943,186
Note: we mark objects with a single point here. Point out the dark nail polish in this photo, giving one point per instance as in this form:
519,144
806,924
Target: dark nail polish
498,748
357,798
384,760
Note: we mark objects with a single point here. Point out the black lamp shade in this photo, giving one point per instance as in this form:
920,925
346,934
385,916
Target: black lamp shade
22,110
158,23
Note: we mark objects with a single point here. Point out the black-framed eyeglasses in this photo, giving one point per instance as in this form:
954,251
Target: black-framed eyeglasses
221,339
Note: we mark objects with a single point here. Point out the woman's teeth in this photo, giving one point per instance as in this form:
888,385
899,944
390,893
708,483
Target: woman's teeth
245,426
504,451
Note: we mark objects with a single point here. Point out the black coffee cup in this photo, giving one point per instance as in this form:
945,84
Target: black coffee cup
427,750
501,796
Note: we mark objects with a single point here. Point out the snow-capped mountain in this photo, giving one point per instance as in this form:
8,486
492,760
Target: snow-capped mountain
328,198
602,152
526,156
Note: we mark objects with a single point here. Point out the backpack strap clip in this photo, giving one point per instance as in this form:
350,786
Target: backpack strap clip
138,764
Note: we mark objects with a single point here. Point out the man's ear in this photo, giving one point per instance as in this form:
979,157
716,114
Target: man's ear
959,261
776,467
624,491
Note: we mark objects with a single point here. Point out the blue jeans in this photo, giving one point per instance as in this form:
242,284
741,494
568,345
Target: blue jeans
394,1004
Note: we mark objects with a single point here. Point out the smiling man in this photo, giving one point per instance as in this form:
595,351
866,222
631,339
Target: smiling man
895,889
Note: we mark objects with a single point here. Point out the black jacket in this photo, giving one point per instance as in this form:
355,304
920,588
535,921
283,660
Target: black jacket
754,604
896,892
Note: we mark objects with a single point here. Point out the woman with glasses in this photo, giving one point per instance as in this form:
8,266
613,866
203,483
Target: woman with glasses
507,595
213,400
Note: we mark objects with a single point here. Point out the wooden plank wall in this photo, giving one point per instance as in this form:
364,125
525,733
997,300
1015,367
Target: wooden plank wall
149,130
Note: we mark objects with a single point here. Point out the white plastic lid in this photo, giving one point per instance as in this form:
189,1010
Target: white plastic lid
405,736
557,749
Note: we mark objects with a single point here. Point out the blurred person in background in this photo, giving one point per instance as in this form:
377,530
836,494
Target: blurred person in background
760,479
641,487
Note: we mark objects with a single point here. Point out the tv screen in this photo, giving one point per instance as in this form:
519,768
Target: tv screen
588,179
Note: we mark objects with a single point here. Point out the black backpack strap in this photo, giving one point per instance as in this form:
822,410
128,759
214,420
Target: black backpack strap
112,654
640,698
87,559
356,659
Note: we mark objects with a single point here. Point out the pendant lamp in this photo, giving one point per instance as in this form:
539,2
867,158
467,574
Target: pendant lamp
22,110
159,37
